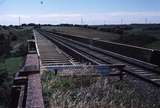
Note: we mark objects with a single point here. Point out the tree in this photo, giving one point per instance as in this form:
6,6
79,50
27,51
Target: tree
2,38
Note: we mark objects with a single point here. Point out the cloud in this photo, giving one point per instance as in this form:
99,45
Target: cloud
88,18
16,16
138,14
58,15
52,15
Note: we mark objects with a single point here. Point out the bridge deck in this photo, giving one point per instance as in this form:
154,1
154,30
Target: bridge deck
49,53
27,88
34,92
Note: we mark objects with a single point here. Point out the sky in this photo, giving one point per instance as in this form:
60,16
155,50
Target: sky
79,11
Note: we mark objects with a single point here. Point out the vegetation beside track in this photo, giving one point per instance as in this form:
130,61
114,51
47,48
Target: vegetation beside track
8,68
154,45
85,32
134,34
89,92
144,35
13,46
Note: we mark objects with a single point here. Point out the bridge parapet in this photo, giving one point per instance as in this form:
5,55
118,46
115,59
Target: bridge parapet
27,90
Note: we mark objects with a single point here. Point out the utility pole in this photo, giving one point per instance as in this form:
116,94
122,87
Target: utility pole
121,21
82,21
146,21
104,22
19,20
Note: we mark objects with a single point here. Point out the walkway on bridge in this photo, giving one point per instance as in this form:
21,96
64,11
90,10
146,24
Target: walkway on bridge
49,53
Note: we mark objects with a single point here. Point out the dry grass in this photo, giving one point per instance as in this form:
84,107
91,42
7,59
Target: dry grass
89,92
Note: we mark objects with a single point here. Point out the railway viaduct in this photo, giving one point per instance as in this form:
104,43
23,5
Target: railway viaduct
56,51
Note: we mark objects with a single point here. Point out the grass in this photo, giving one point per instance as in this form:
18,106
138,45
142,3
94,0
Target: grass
18,41
154,45
137,40
22,35
7,71
12,64
143,36
68,92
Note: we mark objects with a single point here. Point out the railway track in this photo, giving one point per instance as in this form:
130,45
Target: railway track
50,54
82,51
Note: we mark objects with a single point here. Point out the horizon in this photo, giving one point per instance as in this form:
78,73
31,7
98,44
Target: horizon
90,12
61,24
